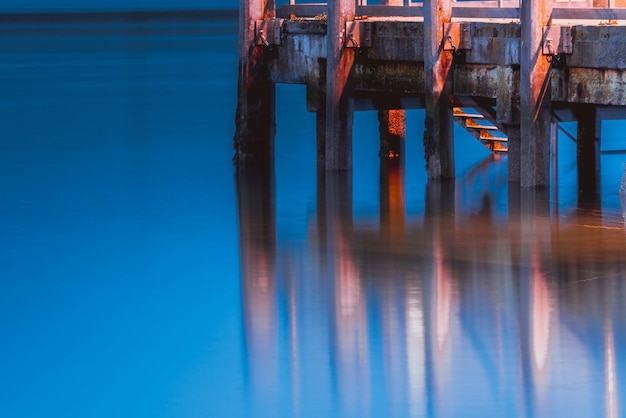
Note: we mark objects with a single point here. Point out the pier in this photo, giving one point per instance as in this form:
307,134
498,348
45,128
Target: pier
508,71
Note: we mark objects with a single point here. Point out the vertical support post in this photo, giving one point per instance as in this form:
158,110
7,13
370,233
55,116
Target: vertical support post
438,125
255,118
588,154
535,95
392,129
339,100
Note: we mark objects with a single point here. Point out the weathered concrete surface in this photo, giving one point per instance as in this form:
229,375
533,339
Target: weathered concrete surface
598,47
254,118
438,125
396,41
494,43
589,85
595,71
484,80
389,76
303,43
535,97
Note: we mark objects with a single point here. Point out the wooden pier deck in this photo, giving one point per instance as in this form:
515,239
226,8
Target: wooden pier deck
524,67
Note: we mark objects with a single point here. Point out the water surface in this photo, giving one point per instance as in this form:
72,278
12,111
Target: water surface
142,275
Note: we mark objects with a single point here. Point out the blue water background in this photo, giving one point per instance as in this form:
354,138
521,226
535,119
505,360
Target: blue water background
120,281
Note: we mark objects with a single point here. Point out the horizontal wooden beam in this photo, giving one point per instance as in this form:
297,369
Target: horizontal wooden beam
487,12
302,10
588,14
390,11
473,9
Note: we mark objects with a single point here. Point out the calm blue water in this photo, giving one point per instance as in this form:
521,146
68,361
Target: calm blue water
139,277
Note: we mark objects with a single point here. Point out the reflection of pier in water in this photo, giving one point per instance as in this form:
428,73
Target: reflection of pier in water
455,311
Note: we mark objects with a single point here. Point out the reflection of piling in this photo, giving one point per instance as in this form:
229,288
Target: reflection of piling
257,240
392,207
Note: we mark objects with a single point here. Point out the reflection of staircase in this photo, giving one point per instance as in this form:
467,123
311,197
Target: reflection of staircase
480,128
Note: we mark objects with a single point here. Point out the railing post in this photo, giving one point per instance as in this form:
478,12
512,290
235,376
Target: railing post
535,95
255,118
339,101
438,125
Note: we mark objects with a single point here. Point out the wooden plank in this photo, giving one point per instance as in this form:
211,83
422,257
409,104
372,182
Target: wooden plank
471,123
477,10
390,11
302,10
487,136
459,112
318,9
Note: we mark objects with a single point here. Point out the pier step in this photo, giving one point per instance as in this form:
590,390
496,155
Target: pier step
466,113
476,125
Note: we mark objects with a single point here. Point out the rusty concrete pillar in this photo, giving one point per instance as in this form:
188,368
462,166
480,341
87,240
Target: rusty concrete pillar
588,154
438,125
255,118
392,129
535,96
339,100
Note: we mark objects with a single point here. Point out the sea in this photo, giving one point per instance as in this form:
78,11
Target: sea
142,274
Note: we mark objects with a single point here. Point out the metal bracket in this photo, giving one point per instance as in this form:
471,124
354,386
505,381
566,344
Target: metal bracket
457,35
557,40
358,34
267,31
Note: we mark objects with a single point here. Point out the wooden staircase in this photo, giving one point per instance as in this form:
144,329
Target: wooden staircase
480,128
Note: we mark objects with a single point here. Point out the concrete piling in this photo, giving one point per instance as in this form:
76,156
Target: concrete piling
339,107
255,116
438,125
535,95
